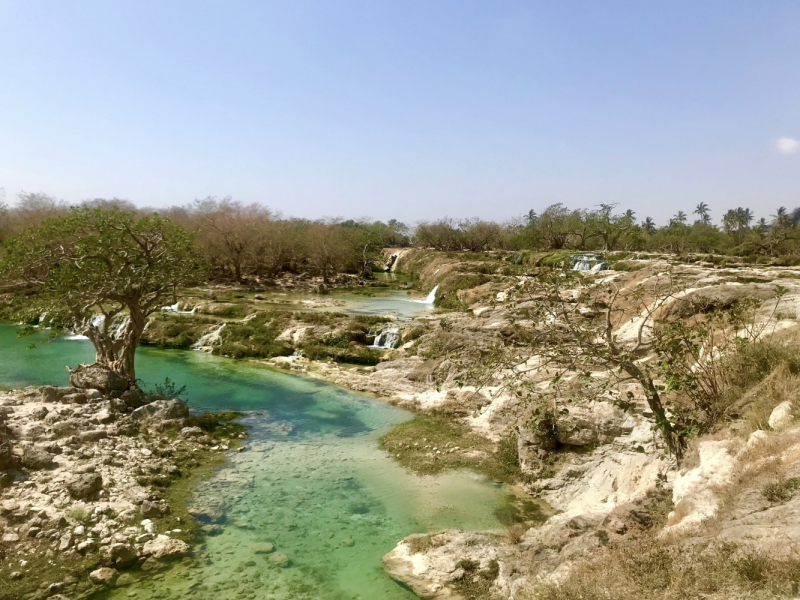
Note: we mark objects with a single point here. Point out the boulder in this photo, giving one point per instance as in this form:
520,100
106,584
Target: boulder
191,432
92,435
36,459
134,398
150,510
98,377
83,486
118,554
781,416
103,576
161,410
68,427
77,398
164,546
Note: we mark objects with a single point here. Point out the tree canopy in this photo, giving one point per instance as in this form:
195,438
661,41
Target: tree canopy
95,265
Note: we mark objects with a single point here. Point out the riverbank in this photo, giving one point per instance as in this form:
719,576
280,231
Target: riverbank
604,470
96,489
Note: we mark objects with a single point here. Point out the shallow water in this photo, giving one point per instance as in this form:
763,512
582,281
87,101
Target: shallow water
312,480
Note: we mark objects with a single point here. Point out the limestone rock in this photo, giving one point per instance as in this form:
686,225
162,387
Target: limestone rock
781,416
150,510
191,432
428,572
693,492
263,548
164,546
36,459
118,554
83,486
134,398
598,423
103,576
161,410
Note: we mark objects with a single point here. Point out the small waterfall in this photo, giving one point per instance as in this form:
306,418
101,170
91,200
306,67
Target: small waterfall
388,338
174,308
431,298
588,262
208,339
120,328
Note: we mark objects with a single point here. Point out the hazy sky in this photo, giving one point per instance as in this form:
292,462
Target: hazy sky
406,109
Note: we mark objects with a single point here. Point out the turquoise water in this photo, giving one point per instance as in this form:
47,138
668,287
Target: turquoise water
312,480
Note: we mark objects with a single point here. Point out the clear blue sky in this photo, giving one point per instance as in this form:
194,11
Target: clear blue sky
403,108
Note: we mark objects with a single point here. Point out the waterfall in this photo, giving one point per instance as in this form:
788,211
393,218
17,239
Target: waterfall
431,298
588,262
174,308
208,339
388,338
96,321
120,329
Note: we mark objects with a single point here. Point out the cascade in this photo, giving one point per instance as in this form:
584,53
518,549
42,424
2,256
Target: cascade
388,338
431,298
208,339
174,308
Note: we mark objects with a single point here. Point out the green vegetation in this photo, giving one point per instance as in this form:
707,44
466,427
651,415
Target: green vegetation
170,330
432,443
110,262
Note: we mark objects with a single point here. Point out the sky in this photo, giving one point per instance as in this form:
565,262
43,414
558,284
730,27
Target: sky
411,109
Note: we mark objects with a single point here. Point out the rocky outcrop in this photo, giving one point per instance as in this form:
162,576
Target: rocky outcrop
695,492
77,480
164,546
431,563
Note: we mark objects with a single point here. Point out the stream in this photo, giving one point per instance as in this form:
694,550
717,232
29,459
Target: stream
312,480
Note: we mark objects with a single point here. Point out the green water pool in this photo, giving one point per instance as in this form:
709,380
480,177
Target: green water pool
312,480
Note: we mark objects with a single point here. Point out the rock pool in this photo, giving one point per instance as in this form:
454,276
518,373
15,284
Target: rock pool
311,481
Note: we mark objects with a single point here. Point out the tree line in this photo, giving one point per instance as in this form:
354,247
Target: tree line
239,241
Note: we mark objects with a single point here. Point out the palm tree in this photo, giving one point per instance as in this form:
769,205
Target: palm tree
630,215
744,217
678,218
782,218
703,212
648,225
729,220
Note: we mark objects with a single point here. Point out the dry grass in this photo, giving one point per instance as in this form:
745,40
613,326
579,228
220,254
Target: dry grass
658,569
758,402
